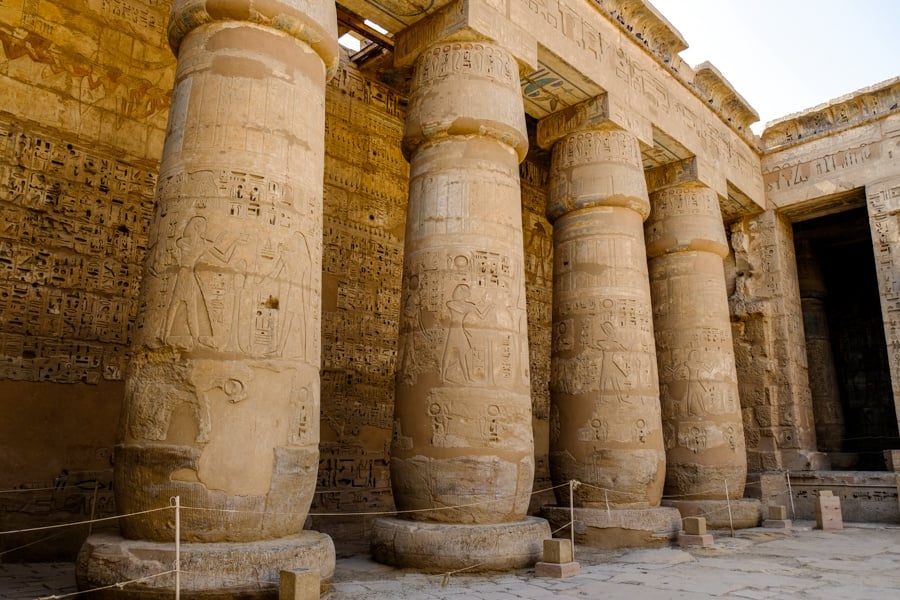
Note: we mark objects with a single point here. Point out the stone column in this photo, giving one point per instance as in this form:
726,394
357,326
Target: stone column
698,382
462,455
823,383
605,428
222,397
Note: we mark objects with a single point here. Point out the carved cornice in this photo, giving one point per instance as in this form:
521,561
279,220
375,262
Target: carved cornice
647,25
663,42
852,110
721,95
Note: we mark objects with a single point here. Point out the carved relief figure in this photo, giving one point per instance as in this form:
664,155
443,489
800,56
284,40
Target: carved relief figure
455,364
613,369
187,294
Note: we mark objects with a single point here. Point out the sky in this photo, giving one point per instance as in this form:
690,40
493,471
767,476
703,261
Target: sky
784,56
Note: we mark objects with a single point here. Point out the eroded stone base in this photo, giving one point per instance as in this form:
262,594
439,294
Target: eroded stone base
745,513
618,528
439,547
208,571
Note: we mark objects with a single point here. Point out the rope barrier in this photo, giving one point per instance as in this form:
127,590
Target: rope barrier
45,527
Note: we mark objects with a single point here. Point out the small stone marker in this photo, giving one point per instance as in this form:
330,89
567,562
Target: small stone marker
694,533
299,584
558,560
828,511
777,518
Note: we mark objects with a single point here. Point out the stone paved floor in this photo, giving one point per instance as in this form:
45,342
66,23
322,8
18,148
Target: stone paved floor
862,562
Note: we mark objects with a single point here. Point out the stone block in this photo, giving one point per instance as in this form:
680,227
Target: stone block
558,570
777,513
825,493
298,584
828,512
558,551
892,460
778,523
689,539
695,525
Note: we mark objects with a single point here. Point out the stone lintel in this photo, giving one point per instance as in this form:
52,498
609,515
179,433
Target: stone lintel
844,112
466,20
693,170
603,111
718,91
648,26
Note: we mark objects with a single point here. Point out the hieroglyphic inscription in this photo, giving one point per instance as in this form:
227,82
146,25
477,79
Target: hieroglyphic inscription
538,280
788,175
884,220
73,230
366,180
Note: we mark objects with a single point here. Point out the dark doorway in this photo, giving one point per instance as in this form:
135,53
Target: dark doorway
841,246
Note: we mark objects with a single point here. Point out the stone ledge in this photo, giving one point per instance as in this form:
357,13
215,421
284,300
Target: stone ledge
618,528
745,512
227,570
440,547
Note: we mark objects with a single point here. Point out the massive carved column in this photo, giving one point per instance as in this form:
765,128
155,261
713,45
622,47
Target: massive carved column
462,452
823,383
605,429
222,399
698,381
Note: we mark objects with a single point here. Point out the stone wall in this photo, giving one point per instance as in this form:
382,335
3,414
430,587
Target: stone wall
85,99
767,325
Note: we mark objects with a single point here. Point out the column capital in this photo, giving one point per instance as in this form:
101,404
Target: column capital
466,21
600,112
313,22
464,89
685,217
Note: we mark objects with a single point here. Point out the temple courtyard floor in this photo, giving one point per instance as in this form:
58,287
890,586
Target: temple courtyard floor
860,562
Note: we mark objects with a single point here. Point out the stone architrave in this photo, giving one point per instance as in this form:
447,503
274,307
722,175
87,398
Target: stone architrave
222,399
462,455
605,427
698,382
823,382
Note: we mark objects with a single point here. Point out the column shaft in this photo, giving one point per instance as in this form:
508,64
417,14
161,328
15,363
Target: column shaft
823,383
698,381
605,425
463,409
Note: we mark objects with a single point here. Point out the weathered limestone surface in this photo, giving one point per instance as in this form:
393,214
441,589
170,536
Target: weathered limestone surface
766,313
883,202
605,418
704,436
463,413
616,528
84,95
211,571
222,397
439,547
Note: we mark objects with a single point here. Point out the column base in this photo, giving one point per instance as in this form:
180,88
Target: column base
215,571
745,512
440,547
618,528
